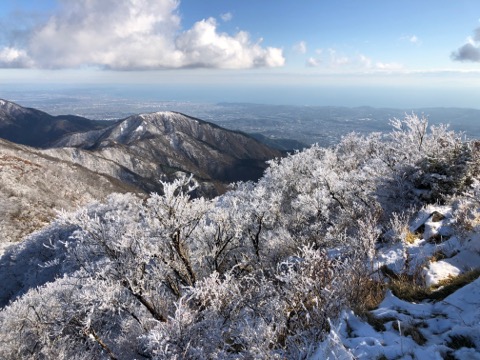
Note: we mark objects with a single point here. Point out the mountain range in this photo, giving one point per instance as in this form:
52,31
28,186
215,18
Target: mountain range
52,162
165,143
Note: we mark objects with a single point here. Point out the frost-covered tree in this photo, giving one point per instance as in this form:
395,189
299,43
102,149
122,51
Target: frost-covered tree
76,317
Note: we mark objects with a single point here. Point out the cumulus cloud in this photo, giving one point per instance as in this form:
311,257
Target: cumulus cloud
134,34
470,51
300,47
203,46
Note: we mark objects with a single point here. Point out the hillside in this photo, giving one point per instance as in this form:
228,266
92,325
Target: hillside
134,154
366,250
432,306
34,185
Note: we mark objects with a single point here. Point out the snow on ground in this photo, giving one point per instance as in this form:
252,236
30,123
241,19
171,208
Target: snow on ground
446,329
3,246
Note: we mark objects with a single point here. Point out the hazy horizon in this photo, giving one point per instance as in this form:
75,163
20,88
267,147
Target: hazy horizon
376,97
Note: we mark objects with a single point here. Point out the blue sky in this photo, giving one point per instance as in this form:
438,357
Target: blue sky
342,52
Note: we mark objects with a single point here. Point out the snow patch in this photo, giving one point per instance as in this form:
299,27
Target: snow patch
439,270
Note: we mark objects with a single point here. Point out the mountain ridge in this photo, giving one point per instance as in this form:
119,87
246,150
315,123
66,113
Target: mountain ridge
32,127
166,142
142,149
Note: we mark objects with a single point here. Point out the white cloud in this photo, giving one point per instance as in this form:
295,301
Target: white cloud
337,60
365,61
369,65
470,51
388,67
14,58
316,61
135,34
300,47
202,46
313,62
226,17
414,39
351,64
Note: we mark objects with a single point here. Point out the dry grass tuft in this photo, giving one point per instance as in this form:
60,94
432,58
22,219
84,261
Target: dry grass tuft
448,286
406,288
437,256
366,293
377,323
412,331
410,237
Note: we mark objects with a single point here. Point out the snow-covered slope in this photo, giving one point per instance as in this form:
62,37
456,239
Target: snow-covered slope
439,327
368,250
10,108
142,149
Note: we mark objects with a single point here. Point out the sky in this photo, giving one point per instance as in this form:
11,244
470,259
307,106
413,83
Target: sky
310,52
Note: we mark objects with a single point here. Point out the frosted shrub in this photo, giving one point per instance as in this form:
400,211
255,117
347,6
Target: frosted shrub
218,319
398,225
255,315
429,163
467,209
69,319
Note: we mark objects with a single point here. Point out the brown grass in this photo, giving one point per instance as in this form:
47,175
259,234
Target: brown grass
404,287
411,237
451,284
366,293
437,256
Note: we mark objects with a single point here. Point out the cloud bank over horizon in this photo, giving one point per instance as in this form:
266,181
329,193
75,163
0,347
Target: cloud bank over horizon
132,35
